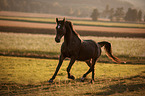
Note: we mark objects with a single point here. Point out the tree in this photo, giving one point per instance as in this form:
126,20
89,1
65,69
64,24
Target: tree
140,15
95,15
106,12
119,13
111,14
128,15
132,15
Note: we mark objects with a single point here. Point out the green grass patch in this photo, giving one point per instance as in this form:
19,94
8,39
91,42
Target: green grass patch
29,76
75,22
30,70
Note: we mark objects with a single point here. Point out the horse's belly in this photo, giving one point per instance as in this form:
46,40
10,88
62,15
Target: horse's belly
86,54
84,57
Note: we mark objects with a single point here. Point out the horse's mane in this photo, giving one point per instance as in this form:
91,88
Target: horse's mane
71,26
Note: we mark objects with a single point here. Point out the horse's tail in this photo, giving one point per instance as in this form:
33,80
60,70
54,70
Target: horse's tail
108,49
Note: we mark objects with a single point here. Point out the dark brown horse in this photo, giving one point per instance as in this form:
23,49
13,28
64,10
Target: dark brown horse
75,48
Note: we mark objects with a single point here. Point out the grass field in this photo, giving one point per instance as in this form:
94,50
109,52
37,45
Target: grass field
75,22
45,46
27,76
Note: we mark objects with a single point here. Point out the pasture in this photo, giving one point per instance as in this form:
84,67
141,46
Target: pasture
45,24
74,21
44,46
27,61
28,76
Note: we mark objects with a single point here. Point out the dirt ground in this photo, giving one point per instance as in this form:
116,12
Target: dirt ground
76,27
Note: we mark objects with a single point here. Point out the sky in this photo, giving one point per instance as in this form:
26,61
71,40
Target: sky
137,2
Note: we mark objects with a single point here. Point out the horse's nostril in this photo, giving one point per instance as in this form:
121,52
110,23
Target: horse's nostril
57,40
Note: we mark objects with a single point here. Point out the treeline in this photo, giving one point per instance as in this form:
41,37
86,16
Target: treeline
133,15
24,6
40,6
118,14
62,8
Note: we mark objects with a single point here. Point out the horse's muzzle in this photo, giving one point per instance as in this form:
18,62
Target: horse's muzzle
57,40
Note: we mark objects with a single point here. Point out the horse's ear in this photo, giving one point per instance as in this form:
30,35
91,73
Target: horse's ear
64,19
56,19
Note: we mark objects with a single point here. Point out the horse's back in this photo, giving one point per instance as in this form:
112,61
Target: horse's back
89,49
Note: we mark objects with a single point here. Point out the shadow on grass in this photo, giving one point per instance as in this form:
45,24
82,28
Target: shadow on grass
113,86
119,88
22,89
131,84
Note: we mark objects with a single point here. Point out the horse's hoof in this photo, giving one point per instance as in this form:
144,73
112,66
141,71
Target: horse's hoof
92,81
82,79
50,81
123,62
71,77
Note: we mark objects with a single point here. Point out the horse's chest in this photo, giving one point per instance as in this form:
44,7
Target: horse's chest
70,50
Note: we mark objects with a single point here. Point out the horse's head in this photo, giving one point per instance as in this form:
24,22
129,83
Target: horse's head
60,29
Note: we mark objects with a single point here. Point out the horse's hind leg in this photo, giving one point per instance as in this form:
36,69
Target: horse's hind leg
92,67
89,63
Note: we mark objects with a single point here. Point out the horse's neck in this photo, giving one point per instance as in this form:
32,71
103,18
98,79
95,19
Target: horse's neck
71,38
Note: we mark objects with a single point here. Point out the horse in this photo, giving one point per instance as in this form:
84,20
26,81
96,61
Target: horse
75,48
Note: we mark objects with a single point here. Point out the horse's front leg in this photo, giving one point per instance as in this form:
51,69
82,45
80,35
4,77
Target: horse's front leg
69,67
61,58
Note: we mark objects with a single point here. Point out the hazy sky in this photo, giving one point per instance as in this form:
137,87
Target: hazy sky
138,3
141,2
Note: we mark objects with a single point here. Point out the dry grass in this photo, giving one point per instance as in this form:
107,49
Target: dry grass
44,46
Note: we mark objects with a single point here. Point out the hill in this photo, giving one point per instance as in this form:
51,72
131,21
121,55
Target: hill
61,7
